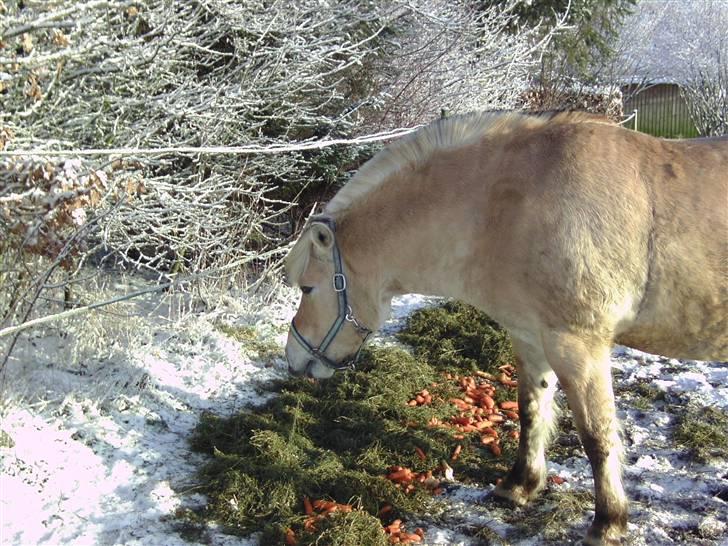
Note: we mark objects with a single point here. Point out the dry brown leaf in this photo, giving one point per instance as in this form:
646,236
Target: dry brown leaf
60,39
32,89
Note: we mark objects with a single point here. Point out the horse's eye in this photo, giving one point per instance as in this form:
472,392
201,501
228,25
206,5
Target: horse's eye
306,289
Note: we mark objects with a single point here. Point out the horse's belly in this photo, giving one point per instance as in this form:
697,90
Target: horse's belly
694,336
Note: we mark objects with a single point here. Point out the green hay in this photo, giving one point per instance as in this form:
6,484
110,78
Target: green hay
704,432
487,536
553,517
356,528
456,335
336,440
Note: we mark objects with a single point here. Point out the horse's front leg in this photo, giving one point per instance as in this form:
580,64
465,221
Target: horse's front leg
583,370
536,387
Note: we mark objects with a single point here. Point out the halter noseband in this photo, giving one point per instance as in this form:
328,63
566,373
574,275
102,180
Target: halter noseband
345,313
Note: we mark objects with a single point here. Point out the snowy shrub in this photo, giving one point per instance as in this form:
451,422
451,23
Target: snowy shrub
176,76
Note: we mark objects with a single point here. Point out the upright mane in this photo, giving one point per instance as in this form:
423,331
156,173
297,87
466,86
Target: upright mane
454,132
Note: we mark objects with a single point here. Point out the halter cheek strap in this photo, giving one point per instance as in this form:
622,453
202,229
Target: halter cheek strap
345,314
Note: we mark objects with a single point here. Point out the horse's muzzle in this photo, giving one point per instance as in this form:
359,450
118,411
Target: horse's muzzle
305,372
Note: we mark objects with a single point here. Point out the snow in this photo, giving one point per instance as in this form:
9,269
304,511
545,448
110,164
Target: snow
99,454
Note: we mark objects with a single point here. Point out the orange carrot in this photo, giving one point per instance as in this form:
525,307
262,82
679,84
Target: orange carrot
496,449
384,510
421,454
456,453
291,537
459,402
509,405
393,527
507,368
404,474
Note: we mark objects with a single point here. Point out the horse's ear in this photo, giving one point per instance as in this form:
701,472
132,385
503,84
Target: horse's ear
322,236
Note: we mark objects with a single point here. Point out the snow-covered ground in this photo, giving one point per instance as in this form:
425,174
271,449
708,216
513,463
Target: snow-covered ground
94,443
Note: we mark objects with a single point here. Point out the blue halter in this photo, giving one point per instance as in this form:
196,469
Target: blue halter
345,313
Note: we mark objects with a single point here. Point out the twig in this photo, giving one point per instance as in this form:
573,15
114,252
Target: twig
214,150
36,26
81,310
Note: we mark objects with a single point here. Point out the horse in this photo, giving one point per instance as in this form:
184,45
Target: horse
570,231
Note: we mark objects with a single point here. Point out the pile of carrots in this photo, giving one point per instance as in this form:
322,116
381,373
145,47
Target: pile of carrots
478,412
406,479
315,512
319,509
398,535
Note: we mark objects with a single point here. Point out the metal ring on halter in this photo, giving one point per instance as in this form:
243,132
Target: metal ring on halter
339,282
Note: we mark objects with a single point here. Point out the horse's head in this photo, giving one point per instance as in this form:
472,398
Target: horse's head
335,315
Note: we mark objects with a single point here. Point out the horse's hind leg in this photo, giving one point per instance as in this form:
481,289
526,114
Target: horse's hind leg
536,387
583,370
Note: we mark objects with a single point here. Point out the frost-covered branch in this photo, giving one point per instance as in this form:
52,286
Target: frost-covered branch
456,57
253,110
684,43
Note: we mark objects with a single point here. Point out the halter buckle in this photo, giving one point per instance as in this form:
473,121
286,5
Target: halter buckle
339,281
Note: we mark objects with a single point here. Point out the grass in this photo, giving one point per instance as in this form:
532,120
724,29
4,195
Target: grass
642,395
337,439
704,432
553,516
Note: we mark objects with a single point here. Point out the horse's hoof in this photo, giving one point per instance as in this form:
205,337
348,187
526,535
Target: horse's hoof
517,494
599,536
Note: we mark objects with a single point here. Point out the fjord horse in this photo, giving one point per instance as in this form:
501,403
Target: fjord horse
571,232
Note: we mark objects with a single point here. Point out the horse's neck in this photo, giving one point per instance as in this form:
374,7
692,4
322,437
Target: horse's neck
406,250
